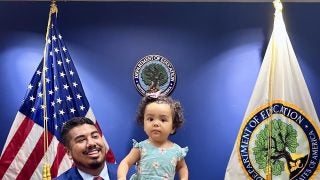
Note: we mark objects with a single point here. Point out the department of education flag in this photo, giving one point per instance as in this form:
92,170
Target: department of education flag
279,135
25,153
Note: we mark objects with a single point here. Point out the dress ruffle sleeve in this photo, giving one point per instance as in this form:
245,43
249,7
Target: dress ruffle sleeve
183,152
135,143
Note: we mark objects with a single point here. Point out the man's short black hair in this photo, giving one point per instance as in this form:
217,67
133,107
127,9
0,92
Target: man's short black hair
68,125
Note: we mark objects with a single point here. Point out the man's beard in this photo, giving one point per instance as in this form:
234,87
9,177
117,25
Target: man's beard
96,164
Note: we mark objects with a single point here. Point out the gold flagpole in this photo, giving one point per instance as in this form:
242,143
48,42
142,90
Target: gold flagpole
46,168
278,9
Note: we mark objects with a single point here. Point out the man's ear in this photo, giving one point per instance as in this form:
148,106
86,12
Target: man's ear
68,152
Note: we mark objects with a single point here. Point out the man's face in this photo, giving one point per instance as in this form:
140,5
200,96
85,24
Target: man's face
86,147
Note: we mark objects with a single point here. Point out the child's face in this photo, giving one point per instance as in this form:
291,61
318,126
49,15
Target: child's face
158,122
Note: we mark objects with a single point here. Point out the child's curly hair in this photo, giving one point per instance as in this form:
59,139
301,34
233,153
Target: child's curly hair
177,111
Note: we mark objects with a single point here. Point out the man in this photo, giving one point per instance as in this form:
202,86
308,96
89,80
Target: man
85,146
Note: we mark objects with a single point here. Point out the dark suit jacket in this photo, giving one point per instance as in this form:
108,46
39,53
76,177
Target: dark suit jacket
73,173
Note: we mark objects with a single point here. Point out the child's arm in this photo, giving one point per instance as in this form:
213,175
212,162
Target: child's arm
182,169
129,160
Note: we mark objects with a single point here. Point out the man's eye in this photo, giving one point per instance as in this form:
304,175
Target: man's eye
95,136
80,140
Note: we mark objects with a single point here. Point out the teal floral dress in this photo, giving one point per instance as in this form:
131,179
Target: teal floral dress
157,163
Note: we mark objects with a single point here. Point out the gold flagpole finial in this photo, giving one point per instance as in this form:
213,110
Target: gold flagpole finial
278,6
53,7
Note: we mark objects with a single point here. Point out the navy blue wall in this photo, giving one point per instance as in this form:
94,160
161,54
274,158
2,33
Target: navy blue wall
216,48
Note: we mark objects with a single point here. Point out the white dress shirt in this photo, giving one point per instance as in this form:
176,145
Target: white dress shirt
104,174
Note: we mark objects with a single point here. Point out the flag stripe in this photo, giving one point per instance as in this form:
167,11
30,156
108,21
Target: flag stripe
14,146
47,158
34,159
58,159
24,151
65,164
110,156
16,124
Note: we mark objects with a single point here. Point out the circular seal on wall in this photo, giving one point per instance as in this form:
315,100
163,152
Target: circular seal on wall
294,148
154,72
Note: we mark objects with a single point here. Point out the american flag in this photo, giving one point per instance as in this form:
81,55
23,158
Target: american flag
25,153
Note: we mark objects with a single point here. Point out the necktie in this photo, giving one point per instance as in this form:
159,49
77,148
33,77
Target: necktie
98,178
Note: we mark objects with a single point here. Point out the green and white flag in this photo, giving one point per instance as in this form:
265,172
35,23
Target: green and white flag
279,135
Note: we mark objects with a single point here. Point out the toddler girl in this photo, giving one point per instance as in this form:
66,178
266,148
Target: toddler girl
157,157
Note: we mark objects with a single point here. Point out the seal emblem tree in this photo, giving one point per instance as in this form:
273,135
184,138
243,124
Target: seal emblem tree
153,73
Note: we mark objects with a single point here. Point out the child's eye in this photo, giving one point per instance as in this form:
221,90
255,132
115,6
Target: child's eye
150,119
163,120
